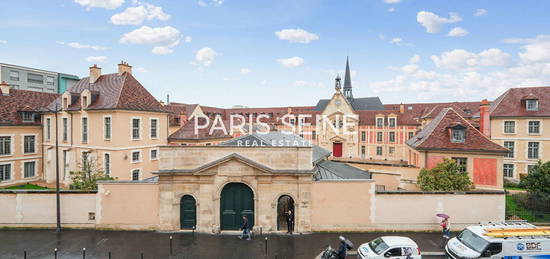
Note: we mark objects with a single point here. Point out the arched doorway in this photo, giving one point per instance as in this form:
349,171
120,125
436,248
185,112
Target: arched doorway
284,204
237,200
188,212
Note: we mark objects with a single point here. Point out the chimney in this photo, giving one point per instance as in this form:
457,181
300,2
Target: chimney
95,73
124,67
5,88
401,108
484,118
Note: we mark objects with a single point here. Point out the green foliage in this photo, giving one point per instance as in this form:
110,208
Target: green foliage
88,175
537,181
446,176
26,186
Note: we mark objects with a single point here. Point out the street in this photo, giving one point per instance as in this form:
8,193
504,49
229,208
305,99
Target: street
132,244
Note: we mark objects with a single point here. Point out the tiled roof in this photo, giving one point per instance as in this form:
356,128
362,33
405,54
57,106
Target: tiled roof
512,102
187,131
436,136
22,100
114,91
175,110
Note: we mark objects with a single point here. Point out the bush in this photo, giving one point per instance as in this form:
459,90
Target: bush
88,175
537,181
446,176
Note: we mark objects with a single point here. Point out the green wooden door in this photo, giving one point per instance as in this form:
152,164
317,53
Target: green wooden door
237,200
188,212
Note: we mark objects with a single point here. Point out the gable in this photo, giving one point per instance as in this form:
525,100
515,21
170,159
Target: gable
338,104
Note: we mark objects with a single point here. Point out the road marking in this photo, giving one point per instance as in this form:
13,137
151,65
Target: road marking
101,241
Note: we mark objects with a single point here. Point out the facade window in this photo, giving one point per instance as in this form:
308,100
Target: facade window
84,101
107,127
379,151
532,105
458,135
135,128
292,122
153,154
509,127
391,121
534,127
509,145
508,170
27,116
392,137
48,128
462,162
363,151
314,134
29,144
135,175
379,137
35,78
107,163
154,128
85,160
29,169
84,130
5,172
49,80
391,150
135,156
363,136
379,122
14,75
5,145
533,150
65,103
530,168
411,135
65,129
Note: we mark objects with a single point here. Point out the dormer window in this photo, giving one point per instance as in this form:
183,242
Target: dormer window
84,101
458,134
65,103
379,122
27,116
532,105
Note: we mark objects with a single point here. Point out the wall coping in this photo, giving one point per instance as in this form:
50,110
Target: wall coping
126,182
47,191
439,192
345,180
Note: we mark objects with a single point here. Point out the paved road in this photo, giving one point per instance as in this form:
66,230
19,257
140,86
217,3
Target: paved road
130,244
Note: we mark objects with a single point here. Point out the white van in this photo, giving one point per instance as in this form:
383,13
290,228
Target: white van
507,240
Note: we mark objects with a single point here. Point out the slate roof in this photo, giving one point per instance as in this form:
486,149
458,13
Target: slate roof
331,170
113,91
436,136
512,102
276,138
358,104
22,100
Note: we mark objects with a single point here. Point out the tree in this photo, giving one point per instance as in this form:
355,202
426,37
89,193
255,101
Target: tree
446,176
537,181
88,175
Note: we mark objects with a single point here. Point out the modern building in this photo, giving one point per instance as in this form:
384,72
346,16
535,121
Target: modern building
21,134
33,79
109,121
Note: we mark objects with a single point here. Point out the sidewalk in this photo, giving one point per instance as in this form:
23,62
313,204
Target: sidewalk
130,244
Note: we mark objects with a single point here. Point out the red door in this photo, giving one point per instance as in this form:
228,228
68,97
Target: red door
337,149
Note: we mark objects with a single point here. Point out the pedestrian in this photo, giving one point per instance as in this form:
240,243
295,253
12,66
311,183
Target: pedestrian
290,221
446,227
244,227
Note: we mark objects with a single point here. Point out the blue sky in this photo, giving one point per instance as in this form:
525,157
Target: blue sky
287,52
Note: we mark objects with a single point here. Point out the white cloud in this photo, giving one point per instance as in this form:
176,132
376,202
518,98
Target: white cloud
391,10
392,1
77,45
205,56
296,35
188,39
433,23
141,70
3,42
205,3
302,83
291,62
457,32
107,4
137,15
97,59
414,59
245,71
163,38
461,59
537,49
480,12
396,41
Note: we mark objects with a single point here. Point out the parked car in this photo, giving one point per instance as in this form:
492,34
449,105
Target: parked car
394,247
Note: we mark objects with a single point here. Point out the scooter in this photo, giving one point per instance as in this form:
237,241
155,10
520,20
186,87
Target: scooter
330,253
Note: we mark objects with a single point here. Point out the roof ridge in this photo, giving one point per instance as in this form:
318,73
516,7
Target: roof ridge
124,75
497,102
437,120
470,124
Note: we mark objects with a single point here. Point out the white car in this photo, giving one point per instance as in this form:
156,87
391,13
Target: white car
389,247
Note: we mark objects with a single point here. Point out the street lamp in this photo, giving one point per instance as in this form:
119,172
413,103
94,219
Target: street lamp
57,196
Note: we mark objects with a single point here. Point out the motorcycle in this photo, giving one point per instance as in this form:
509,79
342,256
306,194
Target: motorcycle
330,253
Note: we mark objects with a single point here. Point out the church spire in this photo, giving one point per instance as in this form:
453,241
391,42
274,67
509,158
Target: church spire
347,81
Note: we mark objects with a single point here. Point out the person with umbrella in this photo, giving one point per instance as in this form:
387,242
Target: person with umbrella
445,225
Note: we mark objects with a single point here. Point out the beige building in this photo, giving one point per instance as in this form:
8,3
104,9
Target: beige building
21,134
517,121
110,122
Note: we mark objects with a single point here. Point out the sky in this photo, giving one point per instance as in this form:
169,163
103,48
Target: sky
288,52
